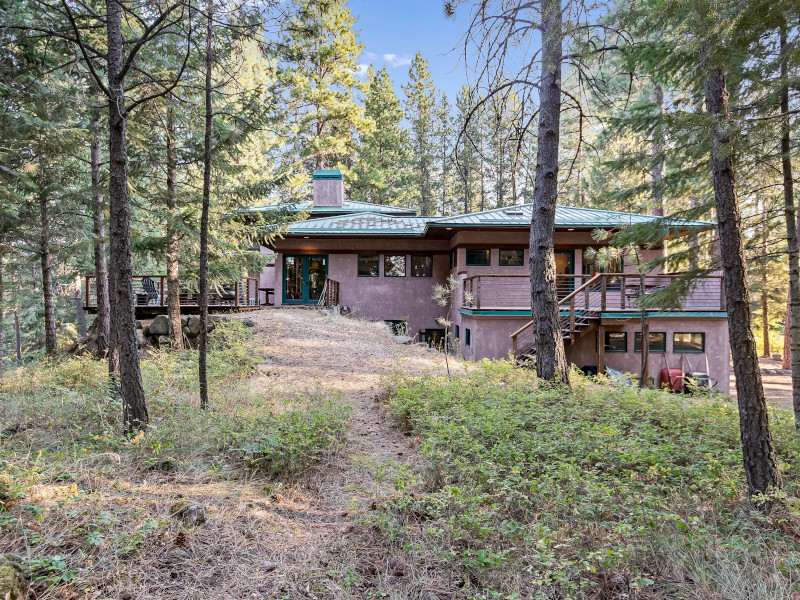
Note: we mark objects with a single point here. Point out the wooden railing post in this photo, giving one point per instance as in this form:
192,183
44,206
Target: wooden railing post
161,291
236,292
86,301
571,316
602,293
478,295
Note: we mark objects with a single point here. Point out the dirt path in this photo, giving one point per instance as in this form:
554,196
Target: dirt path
777,382
314,354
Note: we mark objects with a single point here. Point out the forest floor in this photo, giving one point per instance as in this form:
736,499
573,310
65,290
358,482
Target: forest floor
777,382
289,530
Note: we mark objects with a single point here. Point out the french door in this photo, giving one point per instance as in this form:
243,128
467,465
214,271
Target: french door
303,278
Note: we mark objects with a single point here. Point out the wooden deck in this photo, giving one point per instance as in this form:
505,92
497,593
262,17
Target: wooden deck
152,296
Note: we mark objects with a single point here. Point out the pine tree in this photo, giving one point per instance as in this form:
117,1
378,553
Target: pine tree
444,156
381,170
318,52
419,109
466,156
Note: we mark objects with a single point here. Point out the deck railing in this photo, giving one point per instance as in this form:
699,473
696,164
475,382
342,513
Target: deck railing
152,291
618,292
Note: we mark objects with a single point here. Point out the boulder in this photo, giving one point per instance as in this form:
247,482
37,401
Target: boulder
248,322
159,325
163,341
191,513
138,324
141,340
184,321
13,577
777,357
194,326
402,339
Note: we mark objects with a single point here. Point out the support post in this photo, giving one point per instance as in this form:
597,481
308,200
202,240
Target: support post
601,349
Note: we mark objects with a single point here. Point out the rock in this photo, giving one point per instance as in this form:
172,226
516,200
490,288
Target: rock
402,339
191,513
146,330
193,326
184,321
163,341
248,322
159,325
138,324
777,357
13,577
218,318
141,340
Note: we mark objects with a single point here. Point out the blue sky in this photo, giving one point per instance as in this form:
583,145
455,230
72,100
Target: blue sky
393,32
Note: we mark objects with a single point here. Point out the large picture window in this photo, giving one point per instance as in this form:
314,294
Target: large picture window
693,342
657,342
512,258
616,341
478,258
368,265
421,265
394,265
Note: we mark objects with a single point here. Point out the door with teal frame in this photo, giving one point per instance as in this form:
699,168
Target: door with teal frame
565,265
304,277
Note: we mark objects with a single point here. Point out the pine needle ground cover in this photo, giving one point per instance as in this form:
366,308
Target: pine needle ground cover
600,492
92,512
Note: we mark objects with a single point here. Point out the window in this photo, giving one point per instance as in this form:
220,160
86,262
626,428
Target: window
614,265
454,259
467,337
616,341
657,343
512,258
689,343
368,265
478,258
394,265
422,266
458,332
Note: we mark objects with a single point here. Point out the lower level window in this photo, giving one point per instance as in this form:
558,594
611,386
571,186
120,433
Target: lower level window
657,343
458,332
689,342
421,265
467,337
394,265
616,341
397,326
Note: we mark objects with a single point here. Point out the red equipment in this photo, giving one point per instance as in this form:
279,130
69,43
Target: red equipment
672,380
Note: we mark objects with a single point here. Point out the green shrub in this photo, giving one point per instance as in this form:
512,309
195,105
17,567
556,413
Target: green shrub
542,488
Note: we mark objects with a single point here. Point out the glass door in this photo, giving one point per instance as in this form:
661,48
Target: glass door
565,265
303,278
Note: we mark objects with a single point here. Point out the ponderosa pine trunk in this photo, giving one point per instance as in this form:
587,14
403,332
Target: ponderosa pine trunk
80,314
764,282
791,353
123,321
48,299
758,451
551,361
203,344
173,268
99,236
2,314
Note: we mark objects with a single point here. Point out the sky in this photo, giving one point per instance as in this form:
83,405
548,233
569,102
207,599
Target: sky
393,32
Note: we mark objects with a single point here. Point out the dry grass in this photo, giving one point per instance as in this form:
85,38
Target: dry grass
92,511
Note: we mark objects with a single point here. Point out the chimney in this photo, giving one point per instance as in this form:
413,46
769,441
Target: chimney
328,187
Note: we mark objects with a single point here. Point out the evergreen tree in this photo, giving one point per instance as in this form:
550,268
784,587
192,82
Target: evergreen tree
381,171
444,156
420,103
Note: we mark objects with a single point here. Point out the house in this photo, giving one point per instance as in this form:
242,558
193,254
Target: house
381,262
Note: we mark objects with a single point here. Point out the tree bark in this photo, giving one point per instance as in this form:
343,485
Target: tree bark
758,451
551,361
123,321
17,337
203,342
764,282
658,156
2,314
80,315
99,235
791,354
47,275
173,270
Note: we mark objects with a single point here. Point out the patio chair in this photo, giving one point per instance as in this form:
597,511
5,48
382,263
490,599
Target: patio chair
149,287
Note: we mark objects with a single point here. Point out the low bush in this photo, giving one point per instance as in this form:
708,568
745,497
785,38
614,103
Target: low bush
597,492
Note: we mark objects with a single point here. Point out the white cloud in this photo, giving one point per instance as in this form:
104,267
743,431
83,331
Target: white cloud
397,61
370,55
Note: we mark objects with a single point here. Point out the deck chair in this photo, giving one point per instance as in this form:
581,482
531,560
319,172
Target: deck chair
149,287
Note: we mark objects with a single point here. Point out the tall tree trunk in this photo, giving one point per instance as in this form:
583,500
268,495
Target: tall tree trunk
764,281
758,450
99,236
47,275
203,345
80,315
551,361
17,337
658,156
173,270
791,354
123,320
2,341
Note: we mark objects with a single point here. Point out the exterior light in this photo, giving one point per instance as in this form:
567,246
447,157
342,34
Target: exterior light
448,228
305,237
570,230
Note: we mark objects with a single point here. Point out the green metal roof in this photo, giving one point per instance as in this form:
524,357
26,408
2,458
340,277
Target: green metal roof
348,206
361,224
566,216
327,174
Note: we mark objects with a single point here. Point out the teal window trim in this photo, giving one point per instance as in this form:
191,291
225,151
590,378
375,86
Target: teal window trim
500,257
377,259
405,265
702,335
638,334
605,342
413,256
488,263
